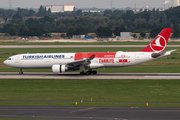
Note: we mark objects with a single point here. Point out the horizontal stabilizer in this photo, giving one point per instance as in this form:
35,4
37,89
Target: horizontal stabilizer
171,51
164,53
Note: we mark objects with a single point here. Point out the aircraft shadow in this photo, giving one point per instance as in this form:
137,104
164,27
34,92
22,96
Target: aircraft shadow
99,74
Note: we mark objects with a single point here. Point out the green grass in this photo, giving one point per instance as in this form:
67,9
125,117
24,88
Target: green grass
10,51
89,104
168,64
103,92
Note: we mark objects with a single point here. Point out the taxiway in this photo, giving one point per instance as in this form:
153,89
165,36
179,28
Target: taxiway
90,113
35,75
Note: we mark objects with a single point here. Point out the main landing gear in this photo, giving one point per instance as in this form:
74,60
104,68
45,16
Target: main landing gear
20,71
88,72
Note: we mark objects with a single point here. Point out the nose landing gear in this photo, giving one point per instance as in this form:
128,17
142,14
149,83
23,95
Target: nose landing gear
20,71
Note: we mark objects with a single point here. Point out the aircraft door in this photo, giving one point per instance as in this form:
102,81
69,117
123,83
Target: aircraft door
17,59
137,56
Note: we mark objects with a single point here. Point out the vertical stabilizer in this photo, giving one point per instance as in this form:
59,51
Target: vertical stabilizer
159,43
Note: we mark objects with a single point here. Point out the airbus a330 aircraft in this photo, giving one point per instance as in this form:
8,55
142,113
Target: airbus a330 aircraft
63,62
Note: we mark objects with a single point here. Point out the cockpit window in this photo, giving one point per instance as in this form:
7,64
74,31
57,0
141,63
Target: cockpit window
9,58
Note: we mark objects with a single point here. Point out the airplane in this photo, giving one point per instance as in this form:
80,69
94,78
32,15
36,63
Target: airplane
64,62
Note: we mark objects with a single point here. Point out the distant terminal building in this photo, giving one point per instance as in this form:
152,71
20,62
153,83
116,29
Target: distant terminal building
125,35
60,8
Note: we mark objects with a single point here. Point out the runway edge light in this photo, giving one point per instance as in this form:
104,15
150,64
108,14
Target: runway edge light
147,104
75,103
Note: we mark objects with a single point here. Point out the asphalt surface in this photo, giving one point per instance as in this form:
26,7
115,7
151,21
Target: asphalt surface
90,113
34,75
74,46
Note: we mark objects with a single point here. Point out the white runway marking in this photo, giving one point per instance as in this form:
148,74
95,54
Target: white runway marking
162,76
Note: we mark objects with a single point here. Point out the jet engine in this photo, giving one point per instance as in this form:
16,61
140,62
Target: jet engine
59,68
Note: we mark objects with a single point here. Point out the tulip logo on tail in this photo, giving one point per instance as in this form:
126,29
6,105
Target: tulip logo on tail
158,44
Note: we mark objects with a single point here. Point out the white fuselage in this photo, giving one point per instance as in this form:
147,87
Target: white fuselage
47,60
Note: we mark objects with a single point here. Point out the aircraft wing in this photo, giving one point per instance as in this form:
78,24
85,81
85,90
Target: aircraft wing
85,61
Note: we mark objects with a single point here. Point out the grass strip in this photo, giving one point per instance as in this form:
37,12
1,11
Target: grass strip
81,43
159,93
89,104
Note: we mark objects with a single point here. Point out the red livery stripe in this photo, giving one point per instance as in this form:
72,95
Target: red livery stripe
80,56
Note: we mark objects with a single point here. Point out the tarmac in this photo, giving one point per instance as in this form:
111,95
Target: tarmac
90,113
135,76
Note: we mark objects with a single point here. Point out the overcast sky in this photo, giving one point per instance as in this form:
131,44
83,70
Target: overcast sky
85,3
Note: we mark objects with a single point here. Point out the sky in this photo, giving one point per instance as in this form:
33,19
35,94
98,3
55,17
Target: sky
86,3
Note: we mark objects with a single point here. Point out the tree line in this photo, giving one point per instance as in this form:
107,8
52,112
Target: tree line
103,24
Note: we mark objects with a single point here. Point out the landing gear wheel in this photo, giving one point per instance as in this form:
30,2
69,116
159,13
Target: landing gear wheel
88,72
82,73
21,73
94,72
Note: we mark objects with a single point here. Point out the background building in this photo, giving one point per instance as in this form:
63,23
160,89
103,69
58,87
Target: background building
2,21
60,8
176,3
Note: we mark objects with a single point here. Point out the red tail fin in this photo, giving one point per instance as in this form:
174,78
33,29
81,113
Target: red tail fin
159,43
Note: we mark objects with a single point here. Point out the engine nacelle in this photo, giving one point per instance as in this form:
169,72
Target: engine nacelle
59,68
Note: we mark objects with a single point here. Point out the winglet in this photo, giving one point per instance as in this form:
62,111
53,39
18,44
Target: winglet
159,43
92,57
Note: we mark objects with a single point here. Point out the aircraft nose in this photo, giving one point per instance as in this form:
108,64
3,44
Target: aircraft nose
5,62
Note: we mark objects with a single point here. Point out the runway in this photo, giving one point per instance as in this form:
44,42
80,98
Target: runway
90,113
35,75
75,46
